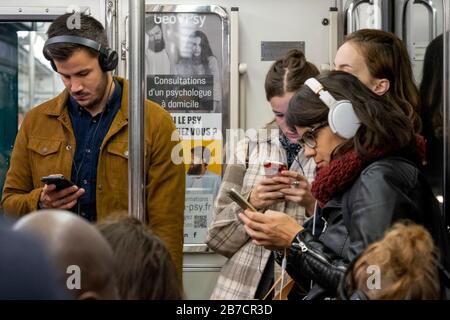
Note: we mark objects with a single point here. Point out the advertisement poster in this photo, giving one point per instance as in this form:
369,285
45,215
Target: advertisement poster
183,54
197,215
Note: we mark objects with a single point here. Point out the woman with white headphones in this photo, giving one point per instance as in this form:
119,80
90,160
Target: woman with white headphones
368,176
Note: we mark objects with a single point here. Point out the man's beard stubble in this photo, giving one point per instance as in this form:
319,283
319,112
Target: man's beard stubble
99,93
195,170
157,45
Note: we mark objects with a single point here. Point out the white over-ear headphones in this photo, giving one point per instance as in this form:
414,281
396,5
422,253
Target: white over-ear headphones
341,118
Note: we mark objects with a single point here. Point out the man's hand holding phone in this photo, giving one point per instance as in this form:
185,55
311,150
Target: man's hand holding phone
54,198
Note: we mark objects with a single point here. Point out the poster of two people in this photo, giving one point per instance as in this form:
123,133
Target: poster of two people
183,67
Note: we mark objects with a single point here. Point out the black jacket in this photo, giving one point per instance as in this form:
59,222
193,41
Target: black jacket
386,191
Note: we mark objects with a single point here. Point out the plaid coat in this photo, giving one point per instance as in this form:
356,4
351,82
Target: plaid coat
226,235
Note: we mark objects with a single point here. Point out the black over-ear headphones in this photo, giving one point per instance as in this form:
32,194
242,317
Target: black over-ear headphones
107,59
342,119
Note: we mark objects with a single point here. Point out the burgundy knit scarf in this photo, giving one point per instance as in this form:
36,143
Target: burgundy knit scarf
342,171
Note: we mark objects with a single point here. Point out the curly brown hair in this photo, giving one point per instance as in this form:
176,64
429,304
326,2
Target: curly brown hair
408,262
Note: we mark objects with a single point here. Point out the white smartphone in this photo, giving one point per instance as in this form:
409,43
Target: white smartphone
273,168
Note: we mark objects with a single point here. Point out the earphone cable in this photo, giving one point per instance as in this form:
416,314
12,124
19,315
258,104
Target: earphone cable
78,169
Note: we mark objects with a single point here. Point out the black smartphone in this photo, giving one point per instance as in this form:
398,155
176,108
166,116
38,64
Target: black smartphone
58,180
236,197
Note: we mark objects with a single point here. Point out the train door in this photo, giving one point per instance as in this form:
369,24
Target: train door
416,22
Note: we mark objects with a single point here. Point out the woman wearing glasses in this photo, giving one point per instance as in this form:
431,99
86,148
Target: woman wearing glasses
250,270
367,178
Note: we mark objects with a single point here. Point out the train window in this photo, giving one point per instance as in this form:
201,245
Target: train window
36,79
26,79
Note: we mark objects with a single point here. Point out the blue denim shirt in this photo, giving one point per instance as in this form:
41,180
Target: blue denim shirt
89,134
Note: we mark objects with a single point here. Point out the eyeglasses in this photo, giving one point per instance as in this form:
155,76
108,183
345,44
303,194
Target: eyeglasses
309,137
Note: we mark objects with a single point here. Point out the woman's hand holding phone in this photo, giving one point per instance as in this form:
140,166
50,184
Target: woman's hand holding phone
298,189
273,168
274,230
267,192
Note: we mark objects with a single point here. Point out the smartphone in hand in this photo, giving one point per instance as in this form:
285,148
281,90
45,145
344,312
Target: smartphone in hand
239,199
58,180
274,168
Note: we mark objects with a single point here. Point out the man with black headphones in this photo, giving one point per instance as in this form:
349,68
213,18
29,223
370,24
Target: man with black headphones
83,134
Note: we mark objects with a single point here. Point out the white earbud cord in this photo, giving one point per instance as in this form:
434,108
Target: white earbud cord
314,228
283,271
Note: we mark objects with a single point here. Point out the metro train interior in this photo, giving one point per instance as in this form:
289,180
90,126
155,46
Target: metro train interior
216,100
